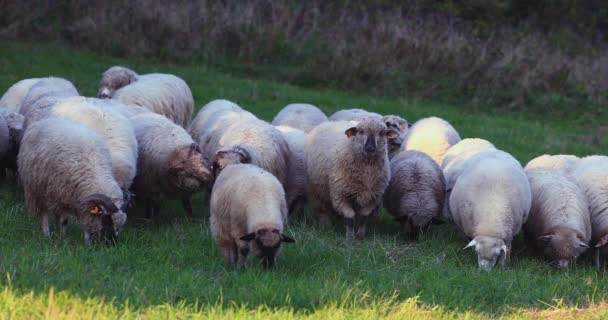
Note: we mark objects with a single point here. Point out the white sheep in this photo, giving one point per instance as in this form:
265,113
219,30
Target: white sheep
216,124
433,136
348,170
164,94
13,97
591,174
415,193
296,178
490,202
302,116
169,163
248,213
44,94
201,121
559,225
353,115
66,168
565,163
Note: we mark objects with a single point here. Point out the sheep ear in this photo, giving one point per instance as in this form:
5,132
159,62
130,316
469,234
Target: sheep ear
545,238
390,133
603,241
351,132
288,239
96,210
471,244
248,237
244,154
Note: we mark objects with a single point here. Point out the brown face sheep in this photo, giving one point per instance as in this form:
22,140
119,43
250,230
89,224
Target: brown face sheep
76,179
348,170
248,213
415,193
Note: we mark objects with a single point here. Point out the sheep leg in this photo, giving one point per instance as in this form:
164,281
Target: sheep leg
349,217
270,263
349,223
242,255
62,220
45,225
406,229
596,258
229,252
148,208
187,204
361,228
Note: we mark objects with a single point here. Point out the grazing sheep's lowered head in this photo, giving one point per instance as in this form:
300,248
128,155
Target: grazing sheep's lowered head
101,219
266,243
489,251
369,138
187,169
227,156
563,245
113,79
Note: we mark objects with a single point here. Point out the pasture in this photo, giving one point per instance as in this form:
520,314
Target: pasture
175,270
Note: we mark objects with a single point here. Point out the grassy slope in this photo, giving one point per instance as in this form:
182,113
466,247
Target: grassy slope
175,269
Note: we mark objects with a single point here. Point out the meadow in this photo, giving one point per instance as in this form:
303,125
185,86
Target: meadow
174,270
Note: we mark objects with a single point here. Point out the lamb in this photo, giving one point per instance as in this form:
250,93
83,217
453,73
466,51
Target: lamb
591,175
248,213
302,116
66,168
433,136
415,193
490,202
13,97
353,115
114,128
201,121
263,143
559,225
565,163
164,94
296,179
348,170
44,94
401,126
169,163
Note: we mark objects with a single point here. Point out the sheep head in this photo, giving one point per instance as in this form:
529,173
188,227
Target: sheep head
267,243
228,156
398,124
489,250
562,245
369,138
101,218
187,169
113,79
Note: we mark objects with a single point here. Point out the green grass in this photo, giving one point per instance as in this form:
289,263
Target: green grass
175,269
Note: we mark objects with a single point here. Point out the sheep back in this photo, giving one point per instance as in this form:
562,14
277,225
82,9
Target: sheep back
433,136
302,116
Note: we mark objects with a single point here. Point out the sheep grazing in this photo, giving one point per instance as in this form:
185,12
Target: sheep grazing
248,213
300,116
13,97
565,163
44,94
591,175
216,124
66,167
401,126
433,136
296,178
263,143
415,193
164,94
169,163
14,123
226,157
201,121
354,115
559,225
490,202
348,170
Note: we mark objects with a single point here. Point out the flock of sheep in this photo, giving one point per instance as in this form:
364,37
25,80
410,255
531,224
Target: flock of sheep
93,157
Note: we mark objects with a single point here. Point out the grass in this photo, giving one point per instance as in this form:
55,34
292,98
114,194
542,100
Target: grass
175,270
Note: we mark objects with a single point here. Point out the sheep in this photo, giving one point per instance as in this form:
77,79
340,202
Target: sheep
348,170
66,167
433,136
201,121
296,179
127,110
591,175
415,193
559,225
302,116
401,126
116,130
263,143
216,124
164,94
353,115
565,163
14,122
489,203
44,94
169,163
13,97
248,213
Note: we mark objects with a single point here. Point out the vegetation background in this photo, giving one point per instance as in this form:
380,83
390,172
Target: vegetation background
530,77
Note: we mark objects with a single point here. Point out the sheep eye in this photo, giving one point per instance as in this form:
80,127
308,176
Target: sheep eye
360,131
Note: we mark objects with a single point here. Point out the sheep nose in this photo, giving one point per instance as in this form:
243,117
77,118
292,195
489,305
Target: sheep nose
563,263
104,94
370,145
